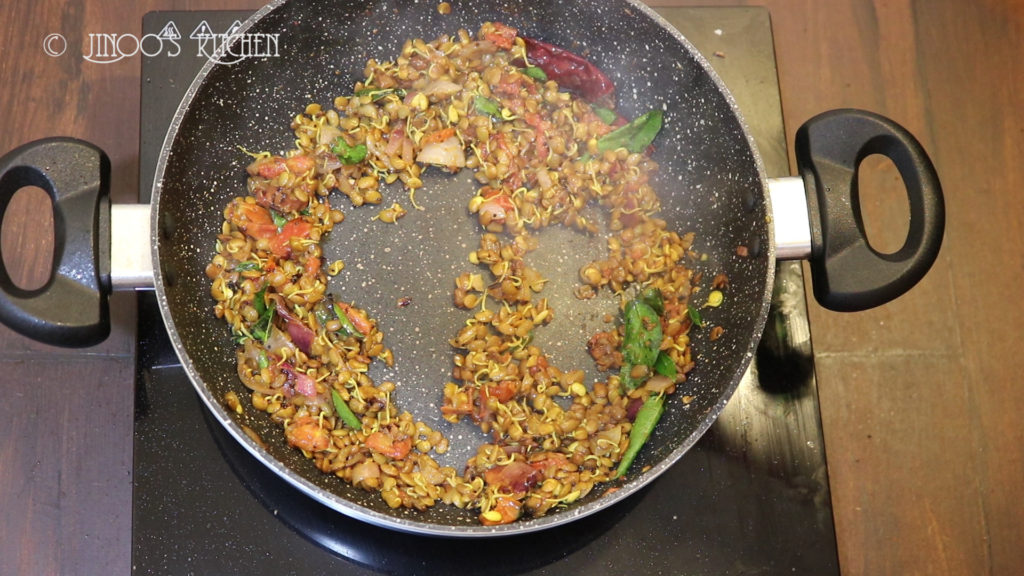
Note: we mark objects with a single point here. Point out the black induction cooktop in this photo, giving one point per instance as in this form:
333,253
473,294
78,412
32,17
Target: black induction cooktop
751,497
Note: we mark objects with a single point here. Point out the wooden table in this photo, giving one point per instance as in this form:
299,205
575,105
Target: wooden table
919,398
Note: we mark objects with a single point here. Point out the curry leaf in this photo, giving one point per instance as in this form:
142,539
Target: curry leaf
643,334
665,366
346,153
536,73
641,341
694,314
487,106
279,219
378,93
635,136
652,297
261,329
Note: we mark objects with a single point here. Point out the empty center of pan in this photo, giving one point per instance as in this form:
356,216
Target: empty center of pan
404,275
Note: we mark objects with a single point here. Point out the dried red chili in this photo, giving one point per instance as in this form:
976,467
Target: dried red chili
572,72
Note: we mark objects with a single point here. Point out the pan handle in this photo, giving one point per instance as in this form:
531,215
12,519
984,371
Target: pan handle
71,309
847,273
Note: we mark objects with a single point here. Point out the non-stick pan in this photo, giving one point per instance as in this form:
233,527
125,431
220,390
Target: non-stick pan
711,182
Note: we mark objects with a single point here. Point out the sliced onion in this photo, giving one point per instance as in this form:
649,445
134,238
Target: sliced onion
607,441
276,341
304,384
659,383
327,163
491,211
441,89
385,149
365,470
377,152
633,407
301,335
483,49
516,477
395,139
432,475
248,359
447,153
328,134
408,151
298,382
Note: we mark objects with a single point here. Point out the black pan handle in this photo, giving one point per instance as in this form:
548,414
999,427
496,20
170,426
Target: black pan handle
847,273
71,309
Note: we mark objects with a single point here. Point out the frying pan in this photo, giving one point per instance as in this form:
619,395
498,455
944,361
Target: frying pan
711,182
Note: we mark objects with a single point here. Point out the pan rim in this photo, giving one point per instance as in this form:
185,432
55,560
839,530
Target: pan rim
361,512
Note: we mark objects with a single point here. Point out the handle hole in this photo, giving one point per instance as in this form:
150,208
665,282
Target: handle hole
882,203
26,241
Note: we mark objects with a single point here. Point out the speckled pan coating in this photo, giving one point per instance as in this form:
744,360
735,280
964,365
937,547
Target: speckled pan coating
711,182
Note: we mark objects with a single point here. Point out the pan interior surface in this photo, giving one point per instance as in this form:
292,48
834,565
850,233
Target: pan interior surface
710,182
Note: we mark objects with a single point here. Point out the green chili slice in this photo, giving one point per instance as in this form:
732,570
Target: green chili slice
346,325
606,115
344,412
646,419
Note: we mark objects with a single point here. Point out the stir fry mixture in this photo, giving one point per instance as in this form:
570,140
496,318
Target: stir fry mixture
537,126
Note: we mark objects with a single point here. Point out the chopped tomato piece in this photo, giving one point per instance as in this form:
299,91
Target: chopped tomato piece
515,477
438,136
300,164
312,266
252,219
297,228
502,391
307,434
388,445
280,244
496,207
504,510
501,35
550,464
271,167
268,168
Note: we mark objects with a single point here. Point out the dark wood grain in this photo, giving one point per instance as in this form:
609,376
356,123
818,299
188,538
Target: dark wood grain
66,421
65,459
925,453
920,398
